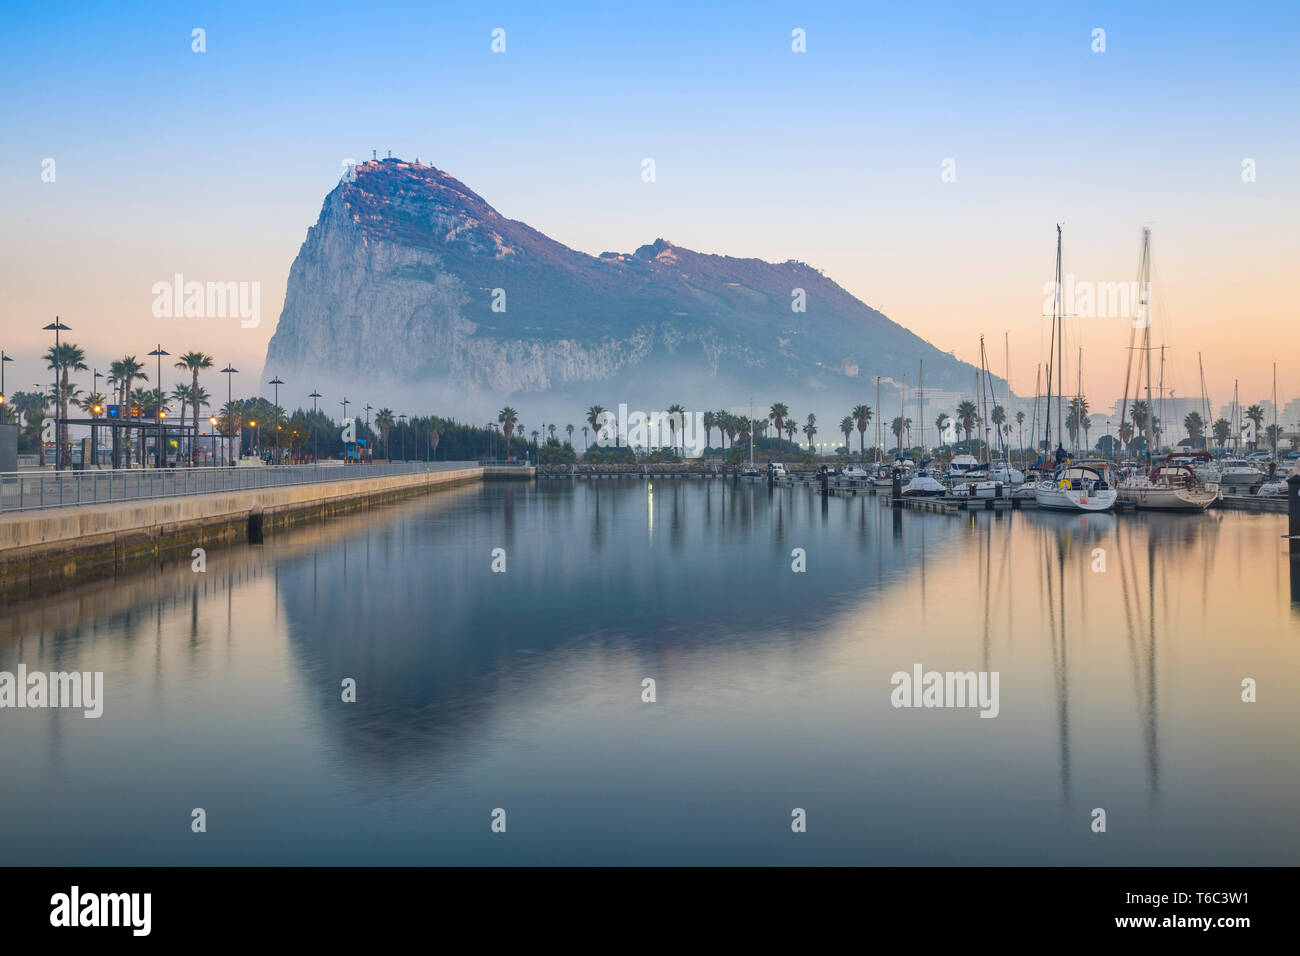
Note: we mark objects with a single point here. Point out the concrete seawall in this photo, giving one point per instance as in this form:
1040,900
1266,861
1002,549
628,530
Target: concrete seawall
47,549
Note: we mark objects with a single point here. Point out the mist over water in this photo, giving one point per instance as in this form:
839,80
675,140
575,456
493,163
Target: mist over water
521,690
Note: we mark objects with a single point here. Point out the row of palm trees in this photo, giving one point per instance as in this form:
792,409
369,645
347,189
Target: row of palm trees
123,374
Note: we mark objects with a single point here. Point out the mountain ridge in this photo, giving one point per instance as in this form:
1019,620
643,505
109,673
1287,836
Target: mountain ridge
411,277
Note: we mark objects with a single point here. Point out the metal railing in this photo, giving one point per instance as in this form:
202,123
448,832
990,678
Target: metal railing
33,490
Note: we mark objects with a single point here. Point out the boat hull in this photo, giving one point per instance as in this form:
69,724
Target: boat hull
1068,499
1193,500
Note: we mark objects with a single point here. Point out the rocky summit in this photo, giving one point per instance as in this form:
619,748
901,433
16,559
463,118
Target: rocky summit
412,280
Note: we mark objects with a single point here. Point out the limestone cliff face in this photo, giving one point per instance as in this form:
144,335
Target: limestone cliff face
410,277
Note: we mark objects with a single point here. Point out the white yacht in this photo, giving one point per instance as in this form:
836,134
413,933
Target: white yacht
1080,486
1239,476
1006,473
960,465
854,472
1169,487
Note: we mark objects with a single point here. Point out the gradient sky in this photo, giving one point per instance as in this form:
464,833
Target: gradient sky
215,164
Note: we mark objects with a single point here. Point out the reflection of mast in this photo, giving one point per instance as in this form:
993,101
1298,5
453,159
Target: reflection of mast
1060,662
1144,689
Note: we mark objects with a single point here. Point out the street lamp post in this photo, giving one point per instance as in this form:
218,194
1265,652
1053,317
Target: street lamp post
212,420
315,444
228,371
345,403
277,383
159,353
402,419
370,452
3,358
56,327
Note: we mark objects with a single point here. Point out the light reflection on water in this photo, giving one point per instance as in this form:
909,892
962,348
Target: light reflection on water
1120,688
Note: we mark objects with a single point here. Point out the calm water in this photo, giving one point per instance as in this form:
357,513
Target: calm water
1119,689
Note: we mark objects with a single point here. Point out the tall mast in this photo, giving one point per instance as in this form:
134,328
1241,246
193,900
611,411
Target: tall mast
1145,293
902,413
1057,308
1274,411
1078,401
1208,422
880,452
1038,388
1161,417
920,405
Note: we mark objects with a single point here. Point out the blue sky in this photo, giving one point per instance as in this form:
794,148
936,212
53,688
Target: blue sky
215,164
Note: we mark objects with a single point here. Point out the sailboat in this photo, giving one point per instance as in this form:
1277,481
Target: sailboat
1076,486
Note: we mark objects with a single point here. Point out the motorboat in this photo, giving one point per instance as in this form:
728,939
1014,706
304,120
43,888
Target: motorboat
750,473
960,465
1239,476
777,470
1006,473
1168,488
1078,487
854,472
924,485
976,483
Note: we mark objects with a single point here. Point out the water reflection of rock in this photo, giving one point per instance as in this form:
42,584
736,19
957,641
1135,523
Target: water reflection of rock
438,643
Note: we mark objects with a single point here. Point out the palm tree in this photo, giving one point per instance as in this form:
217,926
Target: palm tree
966,414
710,419
1195,426
731,427
675,416
791,429
384,421
862,417
941,423
810,429
1256,415
181,393
1020,426
1082,403
584,439
720,418
508,417
778,413
194,362
1222,429
593,418
31,406
568,429
897,427
1141,419
846,426
139,399
64,358
1272,434
200,400
125,371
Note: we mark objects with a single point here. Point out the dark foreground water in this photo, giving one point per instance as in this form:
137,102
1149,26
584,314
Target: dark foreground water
1118,689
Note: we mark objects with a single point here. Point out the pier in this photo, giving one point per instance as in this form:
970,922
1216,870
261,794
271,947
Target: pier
46,547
